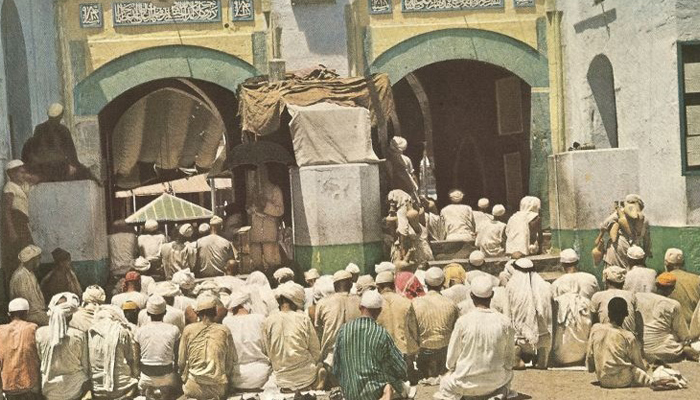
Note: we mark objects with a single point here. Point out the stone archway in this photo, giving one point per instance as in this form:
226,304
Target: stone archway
518,58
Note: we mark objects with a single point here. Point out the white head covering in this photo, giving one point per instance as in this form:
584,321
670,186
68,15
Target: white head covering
323,287
18,304
292,292
283,273
434,276
109,322
204,228
371,299
58,314
94,294
568,256
13,164
615,274
524,263
207,286
186,231
151,225
216,221
384,277
206,301
29,253
364,283
482,287
530,204
257,278
498,210
484,203
165,289
55,110
341,275
399,143
238,298
353,268
674,256
635,253
141,264
384,266
477,258
184,278
156,305
456,195
311,274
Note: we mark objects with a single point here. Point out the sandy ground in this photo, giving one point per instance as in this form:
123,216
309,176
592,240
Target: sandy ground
546,385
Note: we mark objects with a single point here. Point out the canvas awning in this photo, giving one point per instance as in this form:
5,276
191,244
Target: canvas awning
193,184
261,104
168,208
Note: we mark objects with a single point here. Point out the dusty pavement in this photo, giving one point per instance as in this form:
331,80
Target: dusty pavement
546,385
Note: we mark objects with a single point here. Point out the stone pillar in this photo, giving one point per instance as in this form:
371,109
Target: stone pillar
540,148
336,213
71,215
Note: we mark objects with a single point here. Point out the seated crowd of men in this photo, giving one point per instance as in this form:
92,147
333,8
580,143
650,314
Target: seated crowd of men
373,336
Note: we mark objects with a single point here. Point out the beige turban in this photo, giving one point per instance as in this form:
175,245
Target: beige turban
384,266
384,277
13,164
482,287
635,253
365,282
165,289
204,229
207,286
615,274
206,301
216,221
674,256
353,268
186,231
311,274
399,143
456,195
238,298
568,256
477,258
29,253
292,292
151,225
55,110
184,279
94,294
341,276
484,203
283,273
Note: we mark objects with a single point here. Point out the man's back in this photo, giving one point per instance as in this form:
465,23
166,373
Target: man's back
157,341
19,359
207,353
687,292
149,245
664,327
490,238
399,319
581,283
213,252
480,355
366,359
332,312
436,316
70,356
614,354
599,306
640,279
459,222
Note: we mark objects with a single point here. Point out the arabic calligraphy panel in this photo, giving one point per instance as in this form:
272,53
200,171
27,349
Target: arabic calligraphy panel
448,5
90,15
242,10
185,11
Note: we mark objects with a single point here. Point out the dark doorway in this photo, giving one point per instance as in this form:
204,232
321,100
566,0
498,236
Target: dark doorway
480,116
16,78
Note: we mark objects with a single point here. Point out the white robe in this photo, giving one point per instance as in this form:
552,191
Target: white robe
459,222
529,308
253,368
573,325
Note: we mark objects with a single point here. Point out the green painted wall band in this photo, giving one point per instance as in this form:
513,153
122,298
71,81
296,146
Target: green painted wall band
329,259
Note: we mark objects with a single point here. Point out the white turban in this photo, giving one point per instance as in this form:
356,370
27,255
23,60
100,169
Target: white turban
384,277
292,292
186,231
207,286
352,268
165,289
324,287
635,253
141,264
568,256
151,225
482,287
364,283
156,305
239,298
484,203
58,314
204,228
674,256
216,221
615,274
524,263
371,299
94,294
456,195
399,143
477,258
55,110
498,210
341,275
29,253
184,279
283,273
434,276
311,274
530,204
18,304
384,266
13,164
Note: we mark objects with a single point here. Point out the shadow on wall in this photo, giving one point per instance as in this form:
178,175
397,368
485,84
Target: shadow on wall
604,119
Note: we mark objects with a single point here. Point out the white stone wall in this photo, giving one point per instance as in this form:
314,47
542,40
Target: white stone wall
313,34
639,38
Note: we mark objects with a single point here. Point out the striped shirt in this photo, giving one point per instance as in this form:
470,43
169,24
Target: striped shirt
366,360
436,316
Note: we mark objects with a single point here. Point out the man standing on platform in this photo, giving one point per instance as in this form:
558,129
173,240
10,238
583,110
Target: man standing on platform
459,218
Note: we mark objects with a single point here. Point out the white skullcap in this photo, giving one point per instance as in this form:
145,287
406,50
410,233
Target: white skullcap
150,225
216,220
283,273
615,274
482,287
352,268
498,210
238,298
341,276
384,266
434,276
156,305
186,230
18,304
292,292
54,110
524,263
568,256
165,289
456,195
94,294
13,164
311,274
204,228
184,279
385,277
674,256
477,258
484,203
141,264
29,253
635,253
371,299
